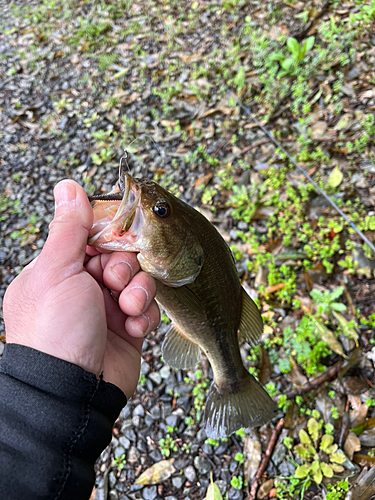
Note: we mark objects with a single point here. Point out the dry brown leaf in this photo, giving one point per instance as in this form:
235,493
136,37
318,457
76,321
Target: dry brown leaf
265,488
159,472
352,444
359,413
253,451
330,338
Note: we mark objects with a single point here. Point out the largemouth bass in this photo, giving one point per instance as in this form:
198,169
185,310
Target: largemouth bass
197,286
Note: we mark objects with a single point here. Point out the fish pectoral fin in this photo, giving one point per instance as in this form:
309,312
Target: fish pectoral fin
187,296
227,411
251,324
178,352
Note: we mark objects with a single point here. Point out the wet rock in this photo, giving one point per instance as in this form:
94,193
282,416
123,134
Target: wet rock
202,465
155,377
172,420
221,448
133,454
150,493
130,434
138,411
201,435
124,442
207,449
190,474
178,481
235,494
155,412
155,455
119,451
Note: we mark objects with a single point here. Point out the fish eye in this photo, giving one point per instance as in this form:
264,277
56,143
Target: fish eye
162,209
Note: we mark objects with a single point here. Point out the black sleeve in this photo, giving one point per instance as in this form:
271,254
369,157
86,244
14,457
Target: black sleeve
55,420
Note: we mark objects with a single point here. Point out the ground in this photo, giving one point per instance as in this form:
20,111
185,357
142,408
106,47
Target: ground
82,81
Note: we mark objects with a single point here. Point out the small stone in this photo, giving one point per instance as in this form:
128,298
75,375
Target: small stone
139,411
155,455
133,454
171,497
202,465
222,485
225,475
279,454
207,449
235,494
184,403
155,377
286,469
190,474
165,372
222,448
130,434
261,166
201,435
112,479
119,451
155,412
149,420
145,368
113,495
124,442
141,446
172,420
126,412
150,493
178,481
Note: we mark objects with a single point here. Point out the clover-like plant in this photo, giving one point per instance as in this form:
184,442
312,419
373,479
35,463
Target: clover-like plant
318,452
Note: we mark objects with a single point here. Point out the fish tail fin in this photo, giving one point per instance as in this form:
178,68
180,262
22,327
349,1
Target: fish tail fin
228,410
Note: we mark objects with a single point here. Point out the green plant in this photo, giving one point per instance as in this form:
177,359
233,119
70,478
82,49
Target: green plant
104,156
240,458
318,452
298,52
337,491
119,462
167,445
237,482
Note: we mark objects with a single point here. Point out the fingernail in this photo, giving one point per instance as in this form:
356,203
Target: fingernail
141,323
65,192
139,296
123,272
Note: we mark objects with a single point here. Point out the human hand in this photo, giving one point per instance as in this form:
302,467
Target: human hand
59,304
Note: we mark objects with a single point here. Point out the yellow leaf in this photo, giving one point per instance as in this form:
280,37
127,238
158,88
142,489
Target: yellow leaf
159,472
194,5
335,177
213,492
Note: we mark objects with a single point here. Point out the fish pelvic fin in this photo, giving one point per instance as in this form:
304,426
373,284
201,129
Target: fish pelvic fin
178,352
227,411
251,324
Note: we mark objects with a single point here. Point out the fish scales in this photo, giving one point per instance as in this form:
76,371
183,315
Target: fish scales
198,287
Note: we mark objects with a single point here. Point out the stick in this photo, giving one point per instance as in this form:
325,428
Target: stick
316,382
266,459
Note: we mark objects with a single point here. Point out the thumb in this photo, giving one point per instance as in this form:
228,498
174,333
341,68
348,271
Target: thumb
65,248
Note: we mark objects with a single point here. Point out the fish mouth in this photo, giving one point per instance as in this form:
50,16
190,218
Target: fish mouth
114,214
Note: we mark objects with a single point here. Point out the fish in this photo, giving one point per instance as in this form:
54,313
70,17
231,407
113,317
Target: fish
199,289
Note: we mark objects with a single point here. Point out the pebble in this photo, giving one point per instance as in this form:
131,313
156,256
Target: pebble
235,494
190,474
207,449
119,451
124,442
130,434
150,493
155,377
202,465
172,420
178,482
138,411
201,435
133,454
165,372
155,412
155,455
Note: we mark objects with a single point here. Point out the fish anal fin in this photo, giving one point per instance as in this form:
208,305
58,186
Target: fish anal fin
251,324
226,411
178,352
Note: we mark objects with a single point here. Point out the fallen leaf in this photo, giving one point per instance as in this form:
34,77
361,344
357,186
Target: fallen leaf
359,412
364,460
318,129
364,487
213,492
253,452
265,488
159,472
274,288
335,177
353,385
330,339
352,444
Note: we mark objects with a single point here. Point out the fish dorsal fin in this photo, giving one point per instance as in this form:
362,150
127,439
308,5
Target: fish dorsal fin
178,352
251,324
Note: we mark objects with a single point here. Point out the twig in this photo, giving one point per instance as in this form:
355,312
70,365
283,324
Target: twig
255,145
324,377
266,459
319,189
